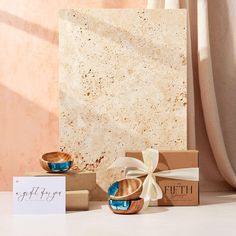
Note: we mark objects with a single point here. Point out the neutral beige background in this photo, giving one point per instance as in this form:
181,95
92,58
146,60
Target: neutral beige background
218,16
223,45
123,85
29,76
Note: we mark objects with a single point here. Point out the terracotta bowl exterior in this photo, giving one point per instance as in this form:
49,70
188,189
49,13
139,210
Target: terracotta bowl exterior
56,161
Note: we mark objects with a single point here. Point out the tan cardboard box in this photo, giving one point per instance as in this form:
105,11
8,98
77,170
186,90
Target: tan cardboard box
77,200
175,192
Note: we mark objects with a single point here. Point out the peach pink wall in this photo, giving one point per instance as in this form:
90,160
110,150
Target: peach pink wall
29,76
28,80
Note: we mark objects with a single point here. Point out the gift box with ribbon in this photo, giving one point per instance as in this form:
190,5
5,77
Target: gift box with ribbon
170,178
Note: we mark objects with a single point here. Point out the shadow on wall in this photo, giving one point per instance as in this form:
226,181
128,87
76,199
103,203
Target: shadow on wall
217,198
27,131
29,27
124,3
121,35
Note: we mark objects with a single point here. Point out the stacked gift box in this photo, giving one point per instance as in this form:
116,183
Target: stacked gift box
177,175
164,178
78,185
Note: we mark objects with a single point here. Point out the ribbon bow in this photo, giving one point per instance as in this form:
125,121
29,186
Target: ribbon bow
151,189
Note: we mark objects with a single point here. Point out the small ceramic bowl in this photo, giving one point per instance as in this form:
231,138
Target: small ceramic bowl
56,161
126,206
125,189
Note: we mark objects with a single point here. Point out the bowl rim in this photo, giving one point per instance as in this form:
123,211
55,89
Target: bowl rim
43,157
121,198
131,200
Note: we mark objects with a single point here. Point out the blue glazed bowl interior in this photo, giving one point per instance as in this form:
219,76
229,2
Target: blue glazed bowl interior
122,205
113,189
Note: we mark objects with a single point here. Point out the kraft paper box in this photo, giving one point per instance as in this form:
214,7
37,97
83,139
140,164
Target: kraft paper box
175,192
75,180
77,200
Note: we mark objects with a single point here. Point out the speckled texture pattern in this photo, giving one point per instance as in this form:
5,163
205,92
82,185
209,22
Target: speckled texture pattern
122,84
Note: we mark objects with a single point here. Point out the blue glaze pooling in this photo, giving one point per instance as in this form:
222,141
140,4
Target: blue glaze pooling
58,167
122,205
113,189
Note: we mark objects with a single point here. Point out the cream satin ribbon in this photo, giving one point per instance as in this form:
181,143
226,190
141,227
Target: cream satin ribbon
151,189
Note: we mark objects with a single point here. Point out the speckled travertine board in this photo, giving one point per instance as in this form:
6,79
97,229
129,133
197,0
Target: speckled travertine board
122,85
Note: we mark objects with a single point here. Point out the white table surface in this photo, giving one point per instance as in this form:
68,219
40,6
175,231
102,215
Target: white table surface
215,216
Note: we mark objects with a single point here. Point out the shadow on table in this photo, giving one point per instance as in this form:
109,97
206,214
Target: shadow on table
212,198
154,210
94,205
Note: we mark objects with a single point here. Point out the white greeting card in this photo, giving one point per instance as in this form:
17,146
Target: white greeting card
39,195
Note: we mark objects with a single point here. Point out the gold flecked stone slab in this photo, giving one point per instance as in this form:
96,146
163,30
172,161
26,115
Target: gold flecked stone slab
123,85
